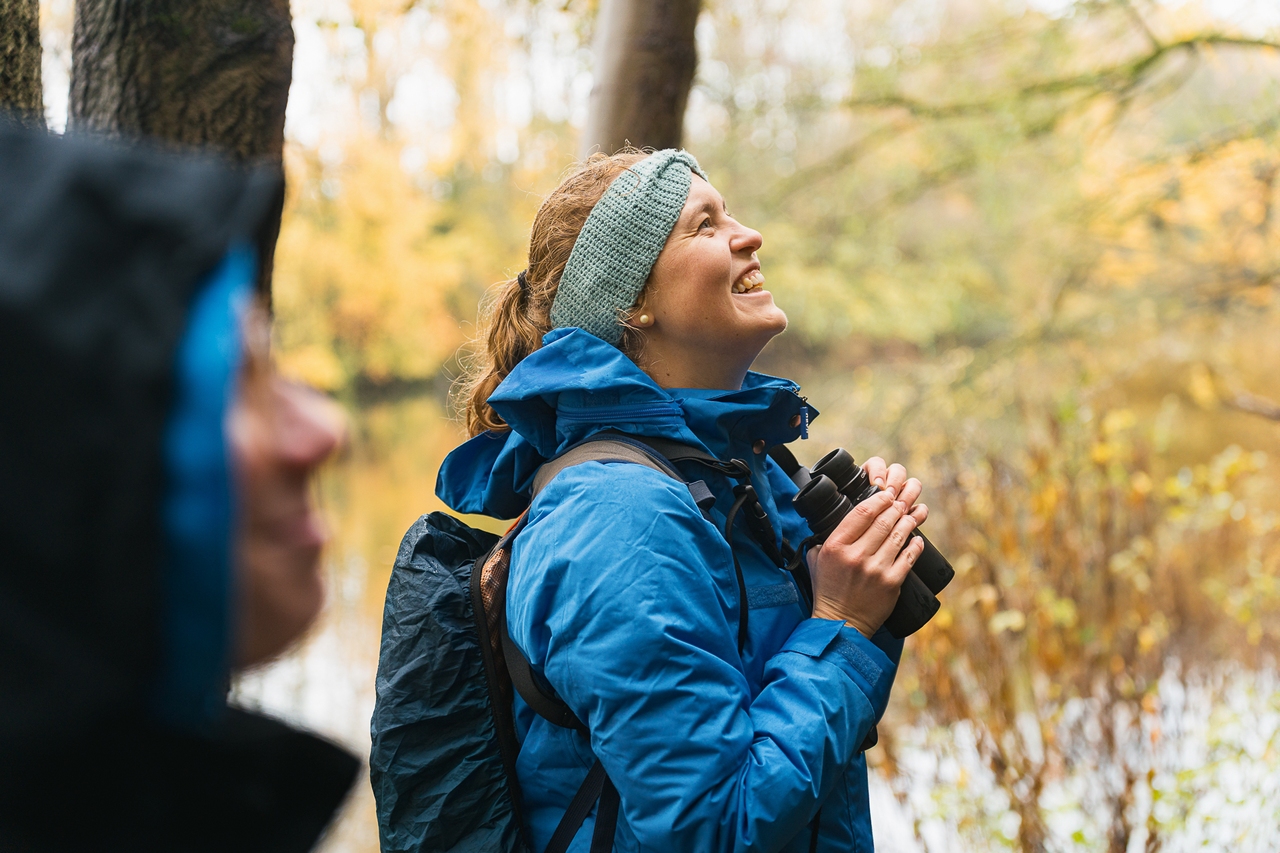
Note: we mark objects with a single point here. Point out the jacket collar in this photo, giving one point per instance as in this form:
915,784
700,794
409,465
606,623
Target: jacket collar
577,385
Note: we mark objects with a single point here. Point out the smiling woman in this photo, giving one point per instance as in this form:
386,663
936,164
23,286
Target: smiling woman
709,315
726,701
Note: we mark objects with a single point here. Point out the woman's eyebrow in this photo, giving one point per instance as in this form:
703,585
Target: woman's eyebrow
706,206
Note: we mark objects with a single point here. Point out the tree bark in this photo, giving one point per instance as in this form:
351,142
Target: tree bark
20,89
195,72
645,58
204,73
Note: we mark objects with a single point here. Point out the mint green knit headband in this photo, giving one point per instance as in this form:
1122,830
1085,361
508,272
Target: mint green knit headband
620,241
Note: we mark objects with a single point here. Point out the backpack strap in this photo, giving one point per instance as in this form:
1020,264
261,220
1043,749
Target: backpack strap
602,447
597,786
607,446
541,699
610,446
674,451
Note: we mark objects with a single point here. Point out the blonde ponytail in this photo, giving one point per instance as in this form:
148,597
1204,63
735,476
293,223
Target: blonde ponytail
516,315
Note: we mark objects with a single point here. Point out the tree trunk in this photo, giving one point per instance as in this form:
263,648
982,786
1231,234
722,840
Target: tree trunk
206,73
195,72
20,91
645,57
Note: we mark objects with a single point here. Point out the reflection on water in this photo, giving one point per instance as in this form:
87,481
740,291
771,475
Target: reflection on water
1204,759
1212,745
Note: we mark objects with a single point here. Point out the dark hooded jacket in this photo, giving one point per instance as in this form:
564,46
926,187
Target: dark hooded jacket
119,269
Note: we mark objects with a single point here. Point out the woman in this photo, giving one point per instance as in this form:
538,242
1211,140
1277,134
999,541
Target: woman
641,311
155,510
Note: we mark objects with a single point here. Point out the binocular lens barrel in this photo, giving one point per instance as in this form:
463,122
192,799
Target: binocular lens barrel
821,504
931,567
848,476
916,606
839,484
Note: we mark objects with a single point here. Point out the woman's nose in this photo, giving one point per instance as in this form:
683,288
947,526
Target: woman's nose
747,240
310,426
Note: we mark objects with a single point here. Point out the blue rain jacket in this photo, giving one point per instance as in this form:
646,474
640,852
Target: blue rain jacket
623,596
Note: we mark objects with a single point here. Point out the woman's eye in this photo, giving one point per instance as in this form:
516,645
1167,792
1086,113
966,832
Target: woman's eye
706,223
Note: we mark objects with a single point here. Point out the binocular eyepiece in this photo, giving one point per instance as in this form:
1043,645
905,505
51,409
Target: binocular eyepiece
835,487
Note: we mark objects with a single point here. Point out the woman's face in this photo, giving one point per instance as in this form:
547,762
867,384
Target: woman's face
710,313
279,434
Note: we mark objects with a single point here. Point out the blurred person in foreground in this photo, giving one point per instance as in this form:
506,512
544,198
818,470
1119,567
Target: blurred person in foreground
155,517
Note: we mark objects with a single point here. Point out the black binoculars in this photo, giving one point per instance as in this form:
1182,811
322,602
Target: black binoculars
835,486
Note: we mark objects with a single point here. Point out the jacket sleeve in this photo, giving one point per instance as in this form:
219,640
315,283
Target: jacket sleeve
621,597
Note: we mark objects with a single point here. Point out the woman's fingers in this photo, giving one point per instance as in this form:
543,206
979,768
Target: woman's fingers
905,560
920,513
910,491
880,529
895,479
892,477
854,526
877,471
896,538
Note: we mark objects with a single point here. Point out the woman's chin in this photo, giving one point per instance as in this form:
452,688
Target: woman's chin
761,313
754,331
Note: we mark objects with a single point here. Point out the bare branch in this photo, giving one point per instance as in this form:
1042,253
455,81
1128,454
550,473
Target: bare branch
842,159
1141,23
1252,404
1122,77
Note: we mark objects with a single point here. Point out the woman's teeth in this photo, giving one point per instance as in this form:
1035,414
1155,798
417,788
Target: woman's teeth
753,280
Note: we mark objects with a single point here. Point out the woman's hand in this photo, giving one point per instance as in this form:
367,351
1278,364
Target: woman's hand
858,571
892,477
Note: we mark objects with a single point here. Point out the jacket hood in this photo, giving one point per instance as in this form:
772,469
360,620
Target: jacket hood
105,255
577,385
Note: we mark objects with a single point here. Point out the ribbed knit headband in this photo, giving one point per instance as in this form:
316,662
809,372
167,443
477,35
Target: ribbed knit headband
620,241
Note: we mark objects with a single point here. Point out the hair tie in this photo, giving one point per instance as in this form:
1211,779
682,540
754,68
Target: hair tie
524,283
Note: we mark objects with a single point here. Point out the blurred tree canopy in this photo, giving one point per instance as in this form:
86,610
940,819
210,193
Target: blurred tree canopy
928,175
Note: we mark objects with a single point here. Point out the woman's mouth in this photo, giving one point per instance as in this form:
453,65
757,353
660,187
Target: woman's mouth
749,283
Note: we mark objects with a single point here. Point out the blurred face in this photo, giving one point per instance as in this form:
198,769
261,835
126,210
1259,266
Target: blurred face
708,314
279,434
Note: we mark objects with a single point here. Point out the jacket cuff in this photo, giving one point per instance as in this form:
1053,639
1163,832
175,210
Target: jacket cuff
889,644
863,661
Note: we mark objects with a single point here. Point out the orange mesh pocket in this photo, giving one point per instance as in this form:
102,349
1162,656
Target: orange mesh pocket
493,589
493,586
